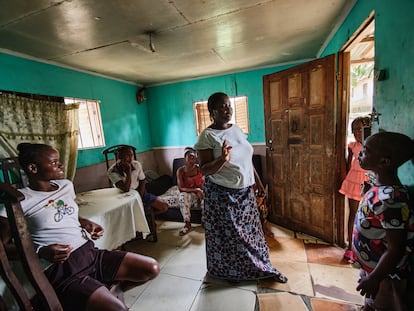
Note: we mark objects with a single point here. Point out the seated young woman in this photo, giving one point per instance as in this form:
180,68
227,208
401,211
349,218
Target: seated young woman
127,174
190,182
80,273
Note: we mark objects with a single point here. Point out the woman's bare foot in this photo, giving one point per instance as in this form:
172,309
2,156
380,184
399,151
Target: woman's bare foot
267,231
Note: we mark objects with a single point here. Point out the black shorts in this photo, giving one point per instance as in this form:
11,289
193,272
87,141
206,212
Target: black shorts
86,269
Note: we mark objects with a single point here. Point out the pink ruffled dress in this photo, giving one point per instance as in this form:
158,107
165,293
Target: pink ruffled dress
352,184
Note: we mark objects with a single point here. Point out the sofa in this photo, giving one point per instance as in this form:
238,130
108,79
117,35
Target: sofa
166,188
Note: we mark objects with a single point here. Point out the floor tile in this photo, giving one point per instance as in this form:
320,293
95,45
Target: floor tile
218,298
281,301
162,252
167,292
325,255
280,231
189,261
247,285
337,283
168,233
327,305
319,279
287,248
132,295
298,274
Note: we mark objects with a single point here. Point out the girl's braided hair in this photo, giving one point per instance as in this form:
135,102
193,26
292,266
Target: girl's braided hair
30,153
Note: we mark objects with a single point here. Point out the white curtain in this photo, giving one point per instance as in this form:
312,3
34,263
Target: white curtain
25,119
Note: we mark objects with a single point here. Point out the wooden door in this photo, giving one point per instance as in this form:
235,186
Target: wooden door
301,154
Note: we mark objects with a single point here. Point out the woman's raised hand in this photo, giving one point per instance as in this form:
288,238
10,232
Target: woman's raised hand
225,151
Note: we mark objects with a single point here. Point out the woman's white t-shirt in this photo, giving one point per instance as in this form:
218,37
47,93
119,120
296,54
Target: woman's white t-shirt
238,172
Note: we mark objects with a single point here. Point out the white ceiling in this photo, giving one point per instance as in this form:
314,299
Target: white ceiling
192,38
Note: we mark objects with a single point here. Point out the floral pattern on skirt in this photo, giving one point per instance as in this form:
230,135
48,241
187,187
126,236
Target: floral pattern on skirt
235,245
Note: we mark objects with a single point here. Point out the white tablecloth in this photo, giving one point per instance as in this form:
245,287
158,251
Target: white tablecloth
121,214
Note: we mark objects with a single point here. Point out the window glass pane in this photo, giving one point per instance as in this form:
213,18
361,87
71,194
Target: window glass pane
90,123
240,114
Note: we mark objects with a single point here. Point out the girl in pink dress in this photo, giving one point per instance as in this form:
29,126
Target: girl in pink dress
352,184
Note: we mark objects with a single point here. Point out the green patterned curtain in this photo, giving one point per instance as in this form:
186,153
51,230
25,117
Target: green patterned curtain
25,119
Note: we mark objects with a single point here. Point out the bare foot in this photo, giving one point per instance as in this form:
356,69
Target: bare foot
267,231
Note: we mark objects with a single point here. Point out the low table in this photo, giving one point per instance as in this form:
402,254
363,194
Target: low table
121,214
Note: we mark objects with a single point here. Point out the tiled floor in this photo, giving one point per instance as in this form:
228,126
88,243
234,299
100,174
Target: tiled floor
319,279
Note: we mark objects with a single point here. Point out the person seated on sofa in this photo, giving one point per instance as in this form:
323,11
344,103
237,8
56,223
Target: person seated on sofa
80,273
190,182
127,174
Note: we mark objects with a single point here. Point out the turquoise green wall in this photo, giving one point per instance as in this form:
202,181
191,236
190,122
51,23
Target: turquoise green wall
166,119
394,46
124,121
171,106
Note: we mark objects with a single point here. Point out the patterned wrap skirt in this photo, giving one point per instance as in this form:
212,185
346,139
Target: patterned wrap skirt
235,245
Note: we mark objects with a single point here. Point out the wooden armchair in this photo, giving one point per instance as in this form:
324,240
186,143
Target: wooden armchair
11,173
150,215
16,244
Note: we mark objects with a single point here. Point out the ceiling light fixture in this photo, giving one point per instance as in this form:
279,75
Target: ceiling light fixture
151,44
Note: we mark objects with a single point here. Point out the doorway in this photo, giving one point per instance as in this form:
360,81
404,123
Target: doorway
361,69
308,109
358,85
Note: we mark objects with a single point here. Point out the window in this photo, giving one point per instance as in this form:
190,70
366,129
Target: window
90,123
240,114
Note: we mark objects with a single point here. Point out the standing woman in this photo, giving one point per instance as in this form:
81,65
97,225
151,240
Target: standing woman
235,245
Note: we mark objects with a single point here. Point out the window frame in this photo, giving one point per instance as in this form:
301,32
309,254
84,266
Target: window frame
238,103
92,136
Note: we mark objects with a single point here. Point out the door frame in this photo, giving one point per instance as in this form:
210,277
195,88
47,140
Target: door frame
343,100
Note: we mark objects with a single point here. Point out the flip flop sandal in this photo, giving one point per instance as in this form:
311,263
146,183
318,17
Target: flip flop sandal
184,231
280,278
349,256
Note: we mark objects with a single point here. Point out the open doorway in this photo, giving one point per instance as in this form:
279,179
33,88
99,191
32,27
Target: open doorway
361,69
359,66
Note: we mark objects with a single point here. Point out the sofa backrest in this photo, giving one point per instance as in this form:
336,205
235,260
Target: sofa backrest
177,163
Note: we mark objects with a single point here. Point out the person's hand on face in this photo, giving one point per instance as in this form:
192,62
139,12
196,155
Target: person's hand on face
125,165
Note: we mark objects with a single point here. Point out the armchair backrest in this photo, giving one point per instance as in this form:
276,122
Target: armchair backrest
16,236
12,173
177,163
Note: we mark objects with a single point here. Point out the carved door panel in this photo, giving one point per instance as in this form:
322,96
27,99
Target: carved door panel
300,138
